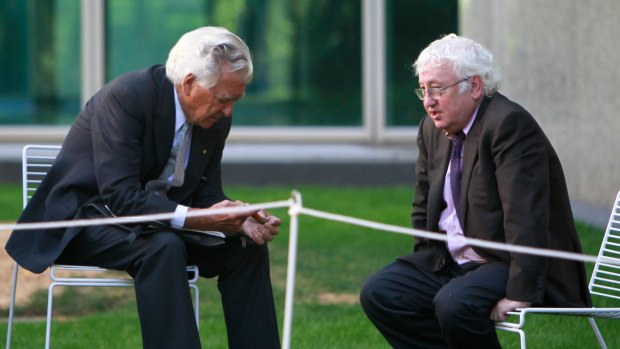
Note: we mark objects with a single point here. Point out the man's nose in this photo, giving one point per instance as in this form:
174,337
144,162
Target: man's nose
228,110
428,101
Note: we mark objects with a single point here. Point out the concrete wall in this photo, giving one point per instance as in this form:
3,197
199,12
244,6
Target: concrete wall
561,60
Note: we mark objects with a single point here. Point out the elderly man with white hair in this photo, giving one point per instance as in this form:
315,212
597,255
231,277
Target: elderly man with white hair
149,142
487,171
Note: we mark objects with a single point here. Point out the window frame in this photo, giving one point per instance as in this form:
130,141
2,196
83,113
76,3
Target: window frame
374,128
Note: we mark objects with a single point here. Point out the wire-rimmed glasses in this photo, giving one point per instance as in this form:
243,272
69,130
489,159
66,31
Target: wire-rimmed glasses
435,92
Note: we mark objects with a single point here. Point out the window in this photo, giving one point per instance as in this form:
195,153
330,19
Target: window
337,68
411,26
40,62
307,54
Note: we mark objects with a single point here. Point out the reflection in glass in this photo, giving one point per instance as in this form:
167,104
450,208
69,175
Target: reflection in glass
411,26
307,54
39,61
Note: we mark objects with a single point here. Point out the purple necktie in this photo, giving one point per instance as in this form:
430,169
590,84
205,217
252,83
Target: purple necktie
455,171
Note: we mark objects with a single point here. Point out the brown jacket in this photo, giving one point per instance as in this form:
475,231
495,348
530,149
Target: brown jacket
514,191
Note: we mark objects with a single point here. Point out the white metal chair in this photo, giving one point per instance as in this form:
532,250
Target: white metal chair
605,282
36,162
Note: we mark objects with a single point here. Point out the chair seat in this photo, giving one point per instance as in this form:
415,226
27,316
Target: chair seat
604,282
603,313
104,279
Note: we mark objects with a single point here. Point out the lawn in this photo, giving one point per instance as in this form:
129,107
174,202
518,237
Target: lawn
333,261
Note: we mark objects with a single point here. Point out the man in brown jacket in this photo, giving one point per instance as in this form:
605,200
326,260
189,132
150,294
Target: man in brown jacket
485,170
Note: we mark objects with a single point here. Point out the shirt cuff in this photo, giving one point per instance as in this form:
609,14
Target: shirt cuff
178,219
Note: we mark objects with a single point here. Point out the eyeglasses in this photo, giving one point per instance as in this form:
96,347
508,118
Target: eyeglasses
434,92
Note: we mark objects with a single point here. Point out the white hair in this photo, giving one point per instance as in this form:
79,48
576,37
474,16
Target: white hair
204,52
467,57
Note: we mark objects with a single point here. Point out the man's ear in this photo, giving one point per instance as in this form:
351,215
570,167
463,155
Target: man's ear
188,83
477,88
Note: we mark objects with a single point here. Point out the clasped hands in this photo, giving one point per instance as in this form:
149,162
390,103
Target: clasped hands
258,225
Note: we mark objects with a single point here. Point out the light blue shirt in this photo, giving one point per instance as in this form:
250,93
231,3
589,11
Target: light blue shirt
178,219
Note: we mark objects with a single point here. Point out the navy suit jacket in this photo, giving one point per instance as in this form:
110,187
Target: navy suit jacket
120,140
513,191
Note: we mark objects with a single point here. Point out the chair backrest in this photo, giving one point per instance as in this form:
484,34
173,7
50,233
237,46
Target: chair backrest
36,162
605,279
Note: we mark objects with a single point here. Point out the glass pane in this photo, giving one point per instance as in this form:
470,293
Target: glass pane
307,53
411,26
139,33
40,62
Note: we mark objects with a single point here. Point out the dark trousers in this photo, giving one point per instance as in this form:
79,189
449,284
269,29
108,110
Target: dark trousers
158,264
416,308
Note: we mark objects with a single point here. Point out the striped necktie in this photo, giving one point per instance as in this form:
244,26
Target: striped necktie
176,163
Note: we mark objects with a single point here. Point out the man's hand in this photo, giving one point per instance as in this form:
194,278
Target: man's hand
229,223
262,227
501,309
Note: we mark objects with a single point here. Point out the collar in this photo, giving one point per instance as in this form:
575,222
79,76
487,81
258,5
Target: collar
472,118
178,112
471,121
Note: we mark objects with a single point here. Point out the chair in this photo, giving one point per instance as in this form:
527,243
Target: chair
36,162
605,282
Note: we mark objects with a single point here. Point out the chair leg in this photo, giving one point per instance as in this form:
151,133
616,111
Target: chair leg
48,327
515,330
196,305
522,338
9,329
50,305
598,334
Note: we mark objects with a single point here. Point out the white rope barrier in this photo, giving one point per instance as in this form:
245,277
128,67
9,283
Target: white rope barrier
289,297
443,237
142,218
296,208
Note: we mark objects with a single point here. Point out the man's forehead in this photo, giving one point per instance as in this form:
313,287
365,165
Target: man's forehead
229,92
433,72
228,97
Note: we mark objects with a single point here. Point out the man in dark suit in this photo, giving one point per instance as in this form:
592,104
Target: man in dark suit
485,170
127,138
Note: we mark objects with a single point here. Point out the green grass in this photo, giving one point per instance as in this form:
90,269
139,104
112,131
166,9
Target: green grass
10,202
333,258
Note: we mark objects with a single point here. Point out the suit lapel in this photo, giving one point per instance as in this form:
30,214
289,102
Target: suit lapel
470,156
199,154
164,123
442,161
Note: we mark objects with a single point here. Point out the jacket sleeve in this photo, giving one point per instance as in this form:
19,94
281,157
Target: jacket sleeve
420,201
521,163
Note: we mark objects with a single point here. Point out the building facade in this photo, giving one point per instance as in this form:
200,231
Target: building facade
560,61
